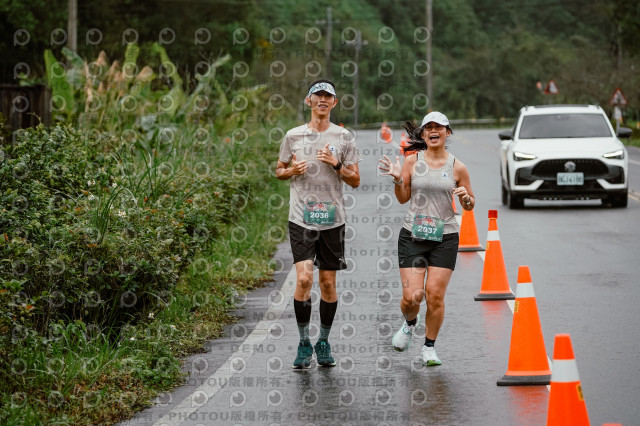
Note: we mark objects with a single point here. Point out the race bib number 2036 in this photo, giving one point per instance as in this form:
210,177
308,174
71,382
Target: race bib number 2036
319,213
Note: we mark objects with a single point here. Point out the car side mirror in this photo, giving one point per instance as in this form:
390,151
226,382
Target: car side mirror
624,132
506,135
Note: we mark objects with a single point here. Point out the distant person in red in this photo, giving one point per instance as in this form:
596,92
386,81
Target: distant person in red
428,242
318,157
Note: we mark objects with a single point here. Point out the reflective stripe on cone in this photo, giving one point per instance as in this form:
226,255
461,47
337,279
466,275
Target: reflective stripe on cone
528,363
566,401
495,284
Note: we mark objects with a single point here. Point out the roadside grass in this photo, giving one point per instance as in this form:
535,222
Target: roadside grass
633,142
75,378
235,262
85,375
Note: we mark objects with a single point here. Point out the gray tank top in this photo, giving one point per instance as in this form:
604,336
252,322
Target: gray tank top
432,194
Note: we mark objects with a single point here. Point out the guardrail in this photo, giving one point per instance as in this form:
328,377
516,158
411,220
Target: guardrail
462,123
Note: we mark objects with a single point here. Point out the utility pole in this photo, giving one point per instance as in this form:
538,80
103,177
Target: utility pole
72,26
619,58
430,73
356,76
327,50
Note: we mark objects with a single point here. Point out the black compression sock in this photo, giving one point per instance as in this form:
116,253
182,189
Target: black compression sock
327,312
303,315
413,321
428,342
302,308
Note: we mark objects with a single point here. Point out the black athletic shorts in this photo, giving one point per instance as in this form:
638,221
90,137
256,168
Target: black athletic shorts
325,248
415,253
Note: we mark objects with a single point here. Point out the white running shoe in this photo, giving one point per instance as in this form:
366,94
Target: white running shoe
429,356
402,339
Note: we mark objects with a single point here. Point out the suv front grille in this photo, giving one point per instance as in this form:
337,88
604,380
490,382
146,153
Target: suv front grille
547,170
550,168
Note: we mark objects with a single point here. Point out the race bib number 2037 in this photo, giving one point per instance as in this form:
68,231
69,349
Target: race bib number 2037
427,228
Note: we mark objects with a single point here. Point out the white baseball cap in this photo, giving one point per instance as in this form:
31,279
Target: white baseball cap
322,87
436,117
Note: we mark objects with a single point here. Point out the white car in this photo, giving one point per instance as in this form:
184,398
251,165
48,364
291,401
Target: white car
563,152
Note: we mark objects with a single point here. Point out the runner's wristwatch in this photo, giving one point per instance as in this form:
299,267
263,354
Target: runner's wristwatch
337,166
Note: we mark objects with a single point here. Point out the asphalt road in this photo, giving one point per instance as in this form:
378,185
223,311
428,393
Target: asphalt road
584,267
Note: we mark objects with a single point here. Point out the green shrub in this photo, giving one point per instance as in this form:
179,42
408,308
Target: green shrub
103,233
84,238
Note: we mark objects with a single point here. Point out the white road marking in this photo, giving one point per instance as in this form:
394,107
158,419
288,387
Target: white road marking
211,385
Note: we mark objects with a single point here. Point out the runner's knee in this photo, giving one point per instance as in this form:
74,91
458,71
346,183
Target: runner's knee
329,286
435,302
305,282
413,298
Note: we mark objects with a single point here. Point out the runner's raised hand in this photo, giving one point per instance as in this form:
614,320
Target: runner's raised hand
389,168
326,156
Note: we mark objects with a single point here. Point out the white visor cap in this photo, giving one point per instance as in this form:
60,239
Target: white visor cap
436,117
322,87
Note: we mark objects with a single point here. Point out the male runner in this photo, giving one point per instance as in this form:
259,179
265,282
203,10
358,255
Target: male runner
318,157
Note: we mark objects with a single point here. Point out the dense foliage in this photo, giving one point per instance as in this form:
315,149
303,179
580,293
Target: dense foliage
143,206
108,248
197,31
487,57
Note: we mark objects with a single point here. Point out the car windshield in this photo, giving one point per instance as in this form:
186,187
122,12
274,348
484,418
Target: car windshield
564,126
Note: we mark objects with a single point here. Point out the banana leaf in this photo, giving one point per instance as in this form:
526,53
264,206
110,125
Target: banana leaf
61,91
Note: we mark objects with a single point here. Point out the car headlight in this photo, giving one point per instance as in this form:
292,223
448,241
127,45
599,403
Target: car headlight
521,156
615,155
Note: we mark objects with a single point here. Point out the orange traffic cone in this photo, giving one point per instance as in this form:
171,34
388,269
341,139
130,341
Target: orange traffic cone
468,233
453,204
385,133
566,402
528,363
495,284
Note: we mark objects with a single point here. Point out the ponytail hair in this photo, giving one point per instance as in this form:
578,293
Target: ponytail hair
415,142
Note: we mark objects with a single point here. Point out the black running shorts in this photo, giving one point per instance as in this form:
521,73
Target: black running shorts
325,248
415,253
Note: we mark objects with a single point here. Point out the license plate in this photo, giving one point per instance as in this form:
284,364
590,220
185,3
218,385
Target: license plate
570,179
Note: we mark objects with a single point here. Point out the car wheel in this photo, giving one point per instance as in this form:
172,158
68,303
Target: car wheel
505,190
515,201
619,200
505,195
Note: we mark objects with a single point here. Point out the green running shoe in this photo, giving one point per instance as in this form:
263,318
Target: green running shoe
305,352
323,354
429,357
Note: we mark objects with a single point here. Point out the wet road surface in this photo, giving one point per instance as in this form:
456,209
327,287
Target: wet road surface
584,270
